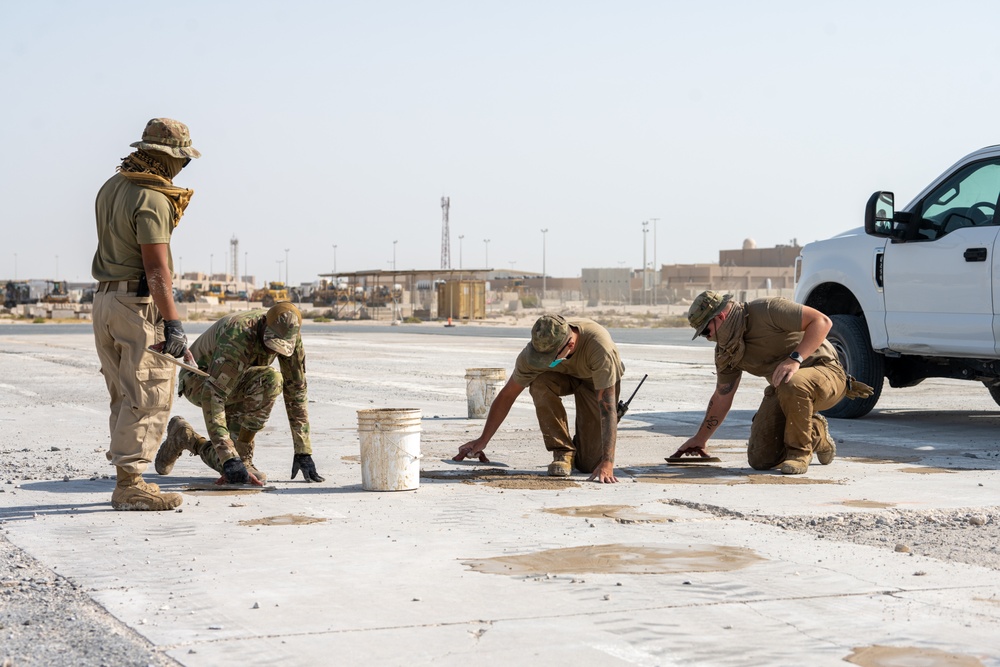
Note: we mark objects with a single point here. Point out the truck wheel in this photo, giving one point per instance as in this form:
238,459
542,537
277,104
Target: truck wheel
994,392
849,336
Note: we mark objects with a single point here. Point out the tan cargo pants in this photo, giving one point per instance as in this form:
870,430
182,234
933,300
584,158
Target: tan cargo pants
786,426
547,391
141,386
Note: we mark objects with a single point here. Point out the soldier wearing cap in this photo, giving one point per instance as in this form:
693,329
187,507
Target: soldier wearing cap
574,356
237,352
137,210
785,343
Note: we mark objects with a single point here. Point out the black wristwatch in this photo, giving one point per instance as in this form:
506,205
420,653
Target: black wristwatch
795,356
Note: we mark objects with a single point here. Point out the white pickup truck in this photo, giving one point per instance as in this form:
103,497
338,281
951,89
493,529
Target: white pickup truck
911,294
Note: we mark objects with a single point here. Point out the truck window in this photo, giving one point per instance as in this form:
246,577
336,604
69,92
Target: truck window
968,198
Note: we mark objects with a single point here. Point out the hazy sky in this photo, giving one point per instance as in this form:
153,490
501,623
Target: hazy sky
343,123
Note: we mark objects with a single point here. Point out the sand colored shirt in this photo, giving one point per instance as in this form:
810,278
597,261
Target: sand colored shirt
595,358
773,331
129,216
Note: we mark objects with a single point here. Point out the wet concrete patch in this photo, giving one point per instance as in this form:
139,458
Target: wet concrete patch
501,479
882,459
908,656
710,475
282,520
619,513
928,471
619,559
867,504
224,490
352,458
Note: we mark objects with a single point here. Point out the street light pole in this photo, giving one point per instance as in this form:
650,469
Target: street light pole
394,256
334,257
210,259
486,242
460,237
544,232
656,267
645,230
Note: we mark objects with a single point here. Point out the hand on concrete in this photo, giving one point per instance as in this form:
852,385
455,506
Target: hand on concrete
234,472
603,473
305,463
470,449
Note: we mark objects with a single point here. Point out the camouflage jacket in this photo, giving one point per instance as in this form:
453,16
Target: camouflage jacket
230,346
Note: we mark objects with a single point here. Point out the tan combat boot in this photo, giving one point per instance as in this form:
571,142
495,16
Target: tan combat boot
826,450
244,447
131,493
562,464
181,436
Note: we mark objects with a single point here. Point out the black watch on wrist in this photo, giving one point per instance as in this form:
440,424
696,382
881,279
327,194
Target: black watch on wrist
795,356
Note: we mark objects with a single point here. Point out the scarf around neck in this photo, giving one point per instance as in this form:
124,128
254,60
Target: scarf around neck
145,171
729,345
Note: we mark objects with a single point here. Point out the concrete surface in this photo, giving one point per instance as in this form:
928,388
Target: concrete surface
475,566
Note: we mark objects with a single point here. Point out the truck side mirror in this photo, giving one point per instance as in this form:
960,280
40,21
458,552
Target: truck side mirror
880,214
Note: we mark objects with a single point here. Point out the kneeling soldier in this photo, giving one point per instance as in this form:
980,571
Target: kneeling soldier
237,352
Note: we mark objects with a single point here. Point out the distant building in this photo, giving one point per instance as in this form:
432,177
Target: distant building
746,273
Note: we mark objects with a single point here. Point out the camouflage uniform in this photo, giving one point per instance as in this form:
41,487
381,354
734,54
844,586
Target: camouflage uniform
237,399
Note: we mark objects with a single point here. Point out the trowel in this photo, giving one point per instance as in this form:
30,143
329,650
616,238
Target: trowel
459,459
187,363
688,460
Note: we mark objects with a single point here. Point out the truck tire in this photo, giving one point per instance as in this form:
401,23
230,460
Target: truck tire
994,392
849,336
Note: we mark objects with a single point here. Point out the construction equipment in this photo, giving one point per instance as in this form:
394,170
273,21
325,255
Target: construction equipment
17,293
270,295
57,293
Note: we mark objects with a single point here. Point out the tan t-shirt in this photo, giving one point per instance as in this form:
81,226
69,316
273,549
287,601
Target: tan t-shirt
595,358
773,331
129,216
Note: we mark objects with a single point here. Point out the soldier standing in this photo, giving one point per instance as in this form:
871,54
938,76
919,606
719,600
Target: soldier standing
565,356
137,210
237,352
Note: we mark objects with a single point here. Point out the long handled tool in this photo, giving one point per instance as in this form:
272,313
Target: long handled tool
623,405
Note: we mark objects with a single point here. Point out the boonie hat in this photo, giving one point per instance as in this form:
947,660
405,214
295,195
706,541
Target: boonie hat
706,306
548,335
282,329
167,136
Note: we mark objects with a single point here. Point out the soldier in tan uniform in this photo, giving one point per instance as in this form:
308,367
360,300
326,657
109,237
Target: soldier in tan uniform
237,397
574,356
785,342
137,210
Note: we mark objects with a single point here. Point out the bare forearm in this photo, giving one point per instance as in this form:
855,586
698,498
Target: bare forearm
609,423
161,288
718,407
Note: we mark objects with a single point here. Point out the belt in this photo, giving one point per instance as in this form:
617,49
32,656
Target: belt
131,286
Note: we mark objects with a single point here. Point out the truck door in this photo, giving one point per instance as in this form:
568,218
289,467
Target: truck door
938,281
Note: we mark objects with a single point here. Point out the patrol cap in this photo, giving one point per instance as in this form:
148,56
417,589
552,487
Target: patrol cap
706,306
548,335
167,136
283,322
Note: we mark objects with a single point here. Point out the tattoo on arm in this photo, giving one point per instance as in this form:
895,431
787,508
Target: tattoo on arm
725,389
711,422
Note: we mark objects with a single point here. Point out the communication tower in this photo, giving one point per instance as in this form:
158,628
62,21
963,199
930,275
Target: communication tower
234,247
445,234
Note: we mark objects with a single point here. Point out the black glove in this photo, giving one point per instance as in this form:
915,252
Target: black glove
305,462
235,472
174,340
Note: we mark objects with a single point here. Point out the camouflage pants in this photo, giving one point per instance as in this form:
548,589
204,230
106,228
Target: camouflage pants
547,391
247,410
786,426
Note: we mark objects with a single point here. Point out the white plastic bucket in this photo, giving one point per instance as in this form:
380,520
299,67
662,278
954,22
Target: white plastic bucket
481,387
390,449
